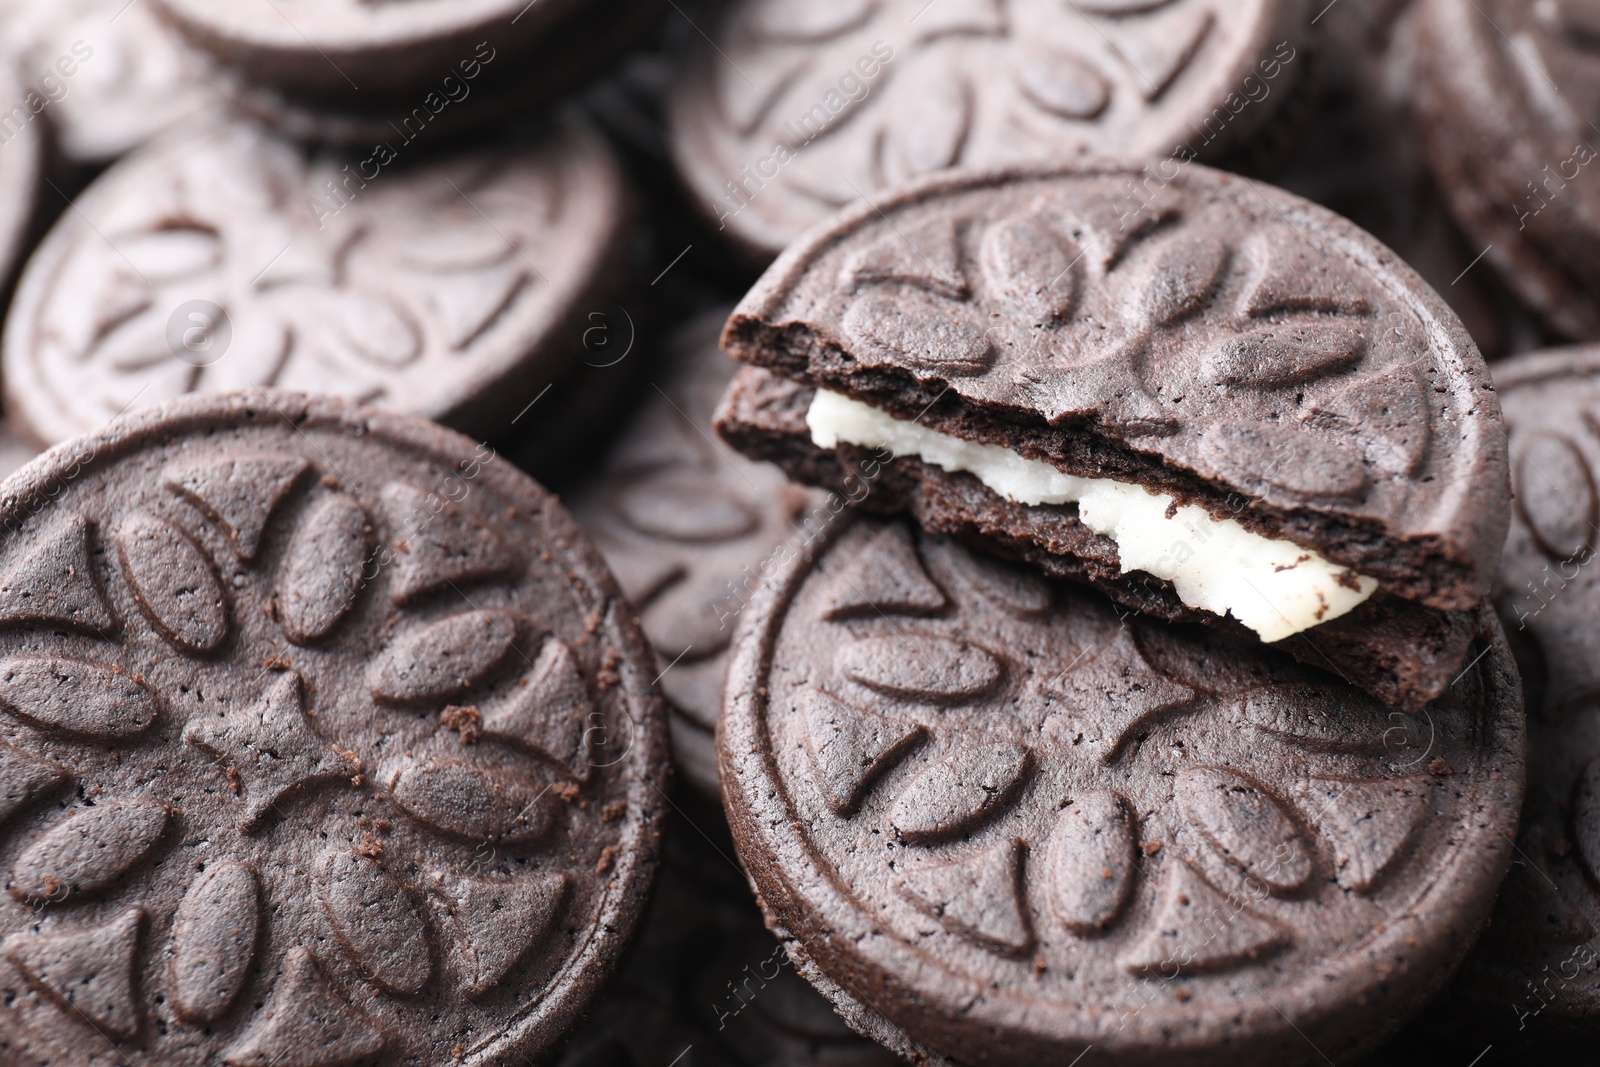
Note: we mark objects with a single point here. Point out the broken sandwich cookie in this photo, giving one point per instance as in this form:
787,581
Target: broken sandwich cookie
1211,399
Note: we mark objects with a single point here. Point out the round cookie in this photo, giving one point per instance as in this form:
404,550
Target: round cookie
997,822
688,525
1536,974
1505,93
449,289
326,738
1210,349
114,76
793,109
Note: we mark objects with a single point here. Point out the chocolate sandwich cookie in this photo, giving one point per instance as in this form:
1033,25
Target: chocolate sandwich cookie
688,525
1209,398
1536,974
226,258
113,76
1505,91
996,820
325,738
791,110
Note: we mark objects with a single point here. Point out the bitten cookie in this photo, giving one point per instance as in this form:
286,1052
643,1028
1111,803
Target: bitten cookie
1211,399
325,738
998,821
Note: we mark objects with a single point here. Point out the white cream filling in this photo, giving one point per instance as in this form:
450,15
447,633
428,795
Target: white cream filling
1274,587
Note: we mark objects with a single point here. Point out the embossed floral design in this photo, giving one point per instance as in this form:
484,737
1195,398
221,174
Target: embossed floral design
270,550
330,281
855,96
1338,807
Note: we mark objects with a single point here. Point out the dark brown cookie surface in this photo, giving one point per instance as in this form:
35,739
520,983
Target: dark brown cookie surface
1206,337
114,76
1006,825
1507,92
326,739
445,289
793,109
690,526
1536,974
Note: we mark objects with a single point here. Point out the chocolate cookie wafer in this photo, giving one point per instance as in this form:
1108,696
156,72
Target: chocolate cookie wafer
325,738
997,820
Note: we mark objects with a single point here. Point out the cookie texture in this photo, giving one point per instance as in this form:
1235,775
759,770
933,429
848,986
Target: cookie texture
448,289
1533,979
1010,825
1505,92
690,526
1208,337
325,739
790,110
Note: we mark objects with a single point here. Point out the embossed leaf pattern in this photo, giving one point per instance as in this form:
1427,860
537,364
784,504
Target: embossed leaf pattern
1556,496
495,787
1031,266
883,745
214,941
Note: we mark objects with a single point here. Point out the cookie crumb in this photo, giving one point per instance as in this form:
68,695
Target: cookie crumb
614,810
1038,966
233,778
369,846
1439,768
566,791
1150,848
608,856
464,719
275,663
1183,995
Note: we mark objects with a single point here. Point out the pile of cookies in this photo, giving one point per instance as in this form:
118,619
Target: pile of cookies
1072,543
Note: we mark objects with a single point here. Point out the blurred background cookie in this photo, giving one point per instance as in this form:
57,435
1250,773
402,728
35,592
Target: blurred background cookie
452,288
791,110
690,527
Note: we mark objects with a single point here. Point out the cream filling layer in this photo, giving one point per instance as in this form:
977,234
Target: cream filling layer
1274,587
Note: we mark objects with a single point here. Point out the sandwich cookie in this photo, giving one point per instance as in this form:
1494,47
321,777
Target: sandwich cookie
1211,399
325,738
995,820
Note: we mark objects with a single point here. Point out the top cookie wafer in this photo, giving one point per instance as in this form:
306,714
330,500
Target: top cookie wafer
325,739
1271,377
793,109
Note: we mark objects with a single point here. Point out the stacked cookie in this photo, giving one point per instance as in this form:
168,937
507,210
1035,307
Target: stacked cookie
1085,600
